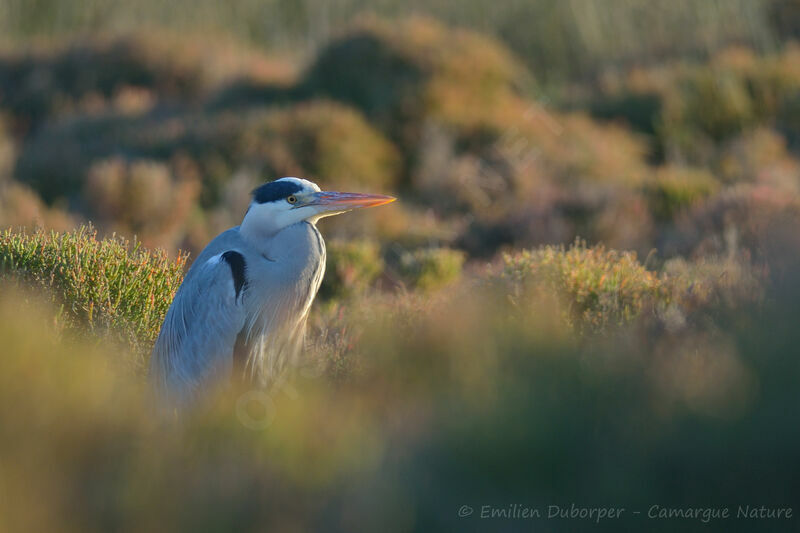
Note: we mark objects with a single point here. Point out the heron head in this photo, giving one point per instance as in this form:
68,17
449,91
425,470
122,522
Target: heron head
286,201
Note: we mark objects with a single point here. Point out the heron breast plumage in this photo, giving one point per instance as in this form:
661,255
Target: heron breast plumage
288,270
260,293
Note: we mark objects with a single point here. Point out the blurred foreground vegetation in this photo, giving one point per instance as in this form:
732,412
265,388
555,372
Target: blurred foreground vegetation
587,292
563,375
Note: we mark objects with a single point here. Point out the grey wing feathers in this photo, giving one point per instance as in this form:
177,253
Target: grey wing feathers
197,339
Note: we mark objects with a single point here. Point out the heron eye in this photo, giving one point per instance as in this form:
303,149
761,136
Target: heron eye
292,199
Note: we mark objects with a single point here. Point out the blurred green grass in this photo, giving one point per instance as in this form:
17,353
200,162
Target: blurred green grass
108,286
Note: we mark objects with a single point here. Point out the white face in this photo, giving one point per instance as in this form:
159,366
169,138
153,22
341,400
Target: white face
272,216
287,201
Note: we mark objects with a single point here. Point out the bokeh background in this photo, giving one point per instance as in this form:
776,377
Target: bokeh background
587,293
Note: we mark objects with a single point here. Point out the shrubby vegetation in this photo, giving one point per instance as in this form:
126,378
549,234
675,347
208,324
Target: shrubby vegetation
599,286
351,267
321,139
127,74
118,289
417,69
470,391
559,40
444,117
691,107
140,198
109,286
432,268
676,189
460,351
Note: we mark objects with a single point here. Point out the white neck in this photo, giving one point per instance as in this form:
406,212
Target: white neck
264,221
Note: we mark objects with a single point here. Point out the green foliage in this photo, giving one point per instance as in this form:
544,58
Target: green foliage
465,397
599,287
351,268
558,40
759,156
675,189
400,73
453,102
140,198
22,207
324,141
694,106
640,111
320,140
7,150
431,268
714,102
573,372
125,74
108,286
437,112
715,282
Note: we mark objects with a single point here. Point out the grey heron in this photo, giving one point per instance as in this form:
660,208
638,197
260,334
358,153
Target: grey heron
249,291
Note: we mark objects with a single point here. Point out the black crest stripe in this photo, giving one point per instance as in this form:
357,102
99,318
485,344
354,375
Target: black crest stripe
238,266
275,190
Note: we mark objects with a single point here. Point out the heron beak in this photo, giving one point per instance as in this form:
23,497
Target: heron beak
345,201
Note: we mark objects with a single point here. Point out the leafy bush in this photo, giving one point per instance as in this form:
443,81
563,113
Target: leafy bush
454,97
55,160
744,217
675,189
351,268
454,104
715,282
140,198
471,145
713,101
431,268
599,287
323,141
109,286
694,106
759,156
124,73
400,73
490,166
21,207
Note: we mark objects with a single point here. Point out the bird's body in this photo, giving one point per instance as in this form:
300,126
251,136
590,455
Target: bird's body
253,285
264,304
